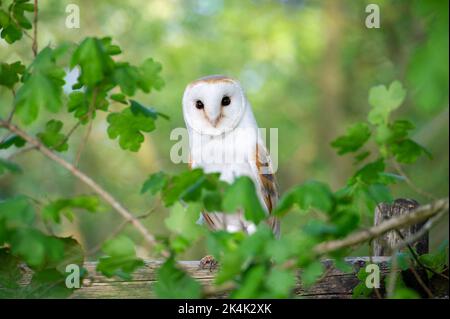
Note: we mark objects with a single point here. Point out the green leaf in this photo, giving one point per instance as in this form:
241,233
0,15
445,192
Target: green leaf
4,19
369,173
212,201
55,209
317,227
255,244
126,76
311,194
189,186
42,87
280,250
280,282
138,108
119,97
242,195
405,293
384,101
10,274
356,136
78,104
52,136
129,124
150,78
111,49
361,290
174,283
120,259
400,129
221,241
73,254
251,283
182,221
16,212
15,140
36,248
9,73
94,61
408,151
18,9
361,157
6,165
311,273
393,133
155,183
436,261
379,193
10,31
48,283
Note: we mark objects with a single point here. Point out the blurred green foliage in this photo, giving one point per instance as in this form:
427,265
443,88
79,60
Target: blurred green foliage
307,67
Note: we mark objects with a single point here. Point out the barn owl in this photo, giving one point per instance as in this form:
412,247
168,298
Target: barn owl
224,138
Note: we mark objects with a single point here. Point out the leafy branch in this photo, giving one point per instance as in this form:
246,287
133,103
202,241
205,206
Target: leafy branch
418,215
107,197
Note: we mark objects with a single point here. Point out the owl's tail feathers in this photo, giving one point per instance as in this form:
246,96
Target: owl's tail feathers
274,224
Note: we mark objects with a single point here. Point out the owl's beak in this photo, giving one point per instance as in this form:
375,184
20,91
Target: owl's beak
213,119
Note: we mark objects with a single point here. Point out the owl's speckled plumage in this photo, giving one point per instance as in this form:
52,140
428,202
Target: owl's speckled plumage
223,132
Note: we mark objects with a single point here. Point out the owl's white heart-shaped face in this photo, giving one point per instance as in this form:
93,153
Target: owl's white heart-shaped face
213,105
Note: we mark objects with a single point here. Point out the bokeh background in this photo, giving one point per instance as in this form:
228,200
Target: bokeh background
307,67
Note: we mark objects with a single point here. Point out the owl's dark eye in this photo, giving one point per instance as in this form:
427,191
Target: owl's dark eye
199,104
226,101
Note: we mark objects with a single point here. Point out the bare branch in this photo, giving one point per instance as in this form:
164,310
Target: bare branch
419,214
107,197
423,230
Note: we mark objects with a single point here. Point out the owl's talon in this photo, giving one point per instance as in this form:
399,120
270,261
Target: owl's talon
208,262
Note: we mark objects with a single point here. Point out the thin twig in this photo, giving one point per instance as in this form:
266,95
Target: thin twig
107,197
407,242
392,279
121,226
69,134
34,46
22,151
410,183
10,116
421,283
27,34
89,129
416,259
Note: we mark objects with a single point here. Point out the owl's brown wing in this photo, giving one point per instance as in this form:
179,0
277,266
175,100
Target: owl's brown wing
267,183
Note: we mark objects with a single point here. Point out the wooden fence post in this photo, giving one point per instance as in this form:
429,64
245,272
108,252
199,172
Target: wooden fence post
382,246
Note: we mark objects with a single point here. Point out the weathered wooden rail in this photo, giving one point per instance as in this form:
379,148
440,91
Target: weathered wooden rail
334,284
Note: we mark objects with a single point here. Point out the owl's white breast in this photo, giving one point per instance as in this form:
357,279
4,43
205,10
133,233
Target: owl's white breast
227,154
